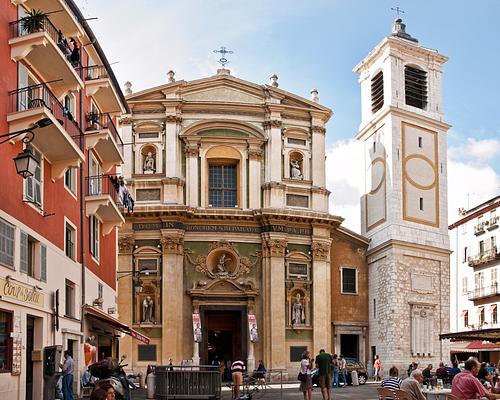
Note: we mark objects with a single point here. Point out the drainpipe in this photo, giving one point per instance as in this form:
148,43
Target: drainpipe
82,218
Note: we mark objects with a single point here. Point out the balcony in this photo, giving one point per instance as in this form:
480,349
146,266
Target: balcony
479,228
102,200
98,85
58,142
48,52
484,292
64,18
493,223
484,257
102,136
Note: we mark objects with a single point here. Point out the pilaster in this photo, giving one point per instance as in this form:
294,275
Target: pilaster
125,290
255,160
318,149
171,162
274,147
192,153
126,135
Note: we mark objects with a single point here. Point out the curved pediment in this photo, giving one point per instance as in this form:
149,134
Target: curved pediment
223,288
223,128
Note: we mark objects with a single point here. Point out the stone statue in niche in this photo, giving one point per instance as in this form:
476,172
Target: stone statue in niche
220,268
147,310
295,172
298,311
149,164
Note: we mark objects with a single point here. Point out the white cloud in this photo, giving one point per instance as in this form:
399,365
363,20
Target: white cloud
480,150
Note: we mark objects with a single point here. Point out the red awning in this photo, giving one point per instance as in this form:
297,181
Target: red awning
478,345
116,324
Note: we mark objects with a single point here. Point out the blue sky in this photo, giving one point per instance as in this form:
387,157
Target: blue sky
316,44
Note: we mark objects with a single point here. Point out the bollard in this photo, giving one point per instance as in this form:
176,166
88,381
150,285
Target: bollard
150,382
354,378
142,380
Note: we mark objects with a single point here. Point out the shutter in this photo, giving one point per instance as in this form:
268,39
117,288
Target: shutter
7,244
29,188
43,263
24,252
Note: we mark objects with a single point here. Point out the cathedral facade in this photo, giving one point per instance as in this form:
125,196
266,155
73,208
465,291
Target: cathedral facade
228,252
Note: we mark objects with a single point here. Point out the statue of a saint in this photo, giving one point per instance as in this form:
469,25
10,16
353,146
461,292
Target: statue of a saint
220,268
254,334
295,172
298,311
197,333
147,310
149,164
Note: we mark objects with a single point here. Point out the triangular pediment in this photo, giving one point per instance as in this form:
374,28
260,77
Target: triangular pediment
224,94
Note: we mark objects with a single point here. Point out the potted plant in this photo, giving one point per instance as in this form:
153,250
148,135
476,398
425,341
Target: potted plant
33,22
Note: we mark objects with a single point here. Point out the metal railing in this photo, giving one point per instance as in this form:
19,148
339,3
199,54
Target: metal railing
21,28
99,121
484,257
483,292
40,96
99,185
95,72
187,382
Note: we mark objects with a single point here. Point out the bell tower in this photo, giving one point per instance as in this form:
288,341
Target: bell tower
404,201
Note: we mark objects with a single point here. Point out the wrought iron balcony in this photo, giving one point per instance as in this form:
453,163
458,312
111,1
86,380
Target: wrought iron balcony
99,85
102,135
483,258
103,197
44,46
493,223
479,229
484,292
59,142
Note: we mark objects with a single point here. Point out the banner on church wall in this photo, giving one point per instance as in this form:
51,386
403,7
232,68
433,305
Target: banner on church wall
252,328
197,328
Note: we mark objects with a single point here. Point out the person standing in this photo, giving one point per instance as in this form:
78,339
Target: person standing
305,368
237,369
324,364
343,370
377,366
335,371
67,381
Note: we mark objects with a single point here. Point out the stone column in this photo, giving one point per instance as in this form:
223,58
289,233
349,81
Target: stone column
172,296
125,290
322,315
171,162
274,301
126,135
254,184
192,175
196,345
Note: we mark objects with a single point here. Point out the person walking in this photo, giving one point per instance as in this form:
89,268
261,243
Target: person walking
324,364
305,368
67,381
335,371
237,369
377,366
343,370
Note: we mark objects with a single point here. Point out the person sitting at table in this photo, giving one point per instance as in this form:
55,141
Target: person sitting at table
426,372
442,372
466,386
452,371
393,381
411,385
482,375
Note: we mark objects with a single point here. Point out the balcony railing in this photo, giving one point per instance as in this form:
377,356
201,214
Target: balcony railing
100,185
484,257
36,96
484,292
493,223
100,121
479,229
20,28
95,72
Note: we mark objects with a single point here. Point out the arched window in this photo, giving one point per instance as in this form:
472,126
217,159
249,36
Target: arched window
415,87
377,92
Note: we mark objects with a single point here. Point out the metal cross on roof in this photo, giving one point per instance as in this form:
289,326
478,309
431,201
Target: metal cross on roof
223,60
398,10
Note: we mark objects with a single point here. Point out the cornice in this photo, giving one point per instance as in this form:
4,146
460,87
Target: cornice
407,245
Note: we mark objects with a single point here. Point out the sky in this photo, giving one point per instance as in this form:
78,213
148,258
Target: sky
316,44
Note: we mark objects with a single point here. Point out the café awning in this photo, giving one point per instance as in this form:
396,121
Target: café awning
100,315
491,335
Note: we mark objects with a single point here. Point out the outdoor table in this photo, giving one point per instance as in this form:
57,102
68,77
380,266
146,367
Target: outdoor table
436,393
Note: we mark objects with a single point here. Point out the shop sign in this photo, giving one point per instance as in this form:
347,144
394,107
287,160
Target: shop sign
20,292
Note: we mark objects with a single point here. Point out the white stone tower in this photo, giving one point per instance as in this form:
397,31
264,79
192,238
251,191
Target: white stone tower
404,202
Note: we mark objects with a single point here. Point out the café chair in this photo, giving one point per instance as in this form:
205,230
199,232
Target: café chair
402,395
384,393
450,396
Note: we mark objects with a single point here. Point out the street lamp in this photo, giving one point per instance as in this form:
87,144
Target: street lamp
26,163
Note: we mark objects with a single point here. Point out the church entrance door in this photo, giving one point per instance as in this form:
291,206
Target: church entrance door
225,331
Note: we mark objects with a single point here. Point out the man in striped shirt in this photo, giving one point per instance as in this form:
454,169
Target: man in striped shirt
237,369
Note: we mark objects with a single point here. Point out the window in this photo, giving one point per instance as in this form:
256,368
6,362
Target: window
94,227
70,241
70,180
481,247
493,244
494,315
420,141
481,316
146,352
421,204
95,179
69,107
33,257
374,308
465,284
222,189
70,299
493,276
415,87
478,280
33,184
7,238
5,341
377,92
466,318
466,254
100,289
349,280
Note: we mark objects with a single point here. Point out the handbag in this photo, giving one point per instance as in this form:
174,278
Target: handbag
301,377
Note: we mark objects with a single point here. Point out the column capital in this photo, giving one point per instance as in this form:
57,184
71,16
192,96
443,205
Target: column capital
125,119
172,245
173,118
272,123
191,150
318,129
274,247
255,154
321,250
126,244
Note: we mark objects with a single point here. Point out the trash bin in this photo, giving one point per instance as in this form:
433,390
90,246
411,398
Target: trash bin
150,382
354,378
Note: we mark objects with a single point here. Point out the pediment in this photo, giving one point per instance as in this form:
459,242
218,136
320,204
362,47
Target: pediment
224,94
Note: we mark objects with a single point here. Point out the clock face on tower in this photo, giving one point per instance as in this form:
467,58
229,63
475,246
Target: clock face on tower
420,184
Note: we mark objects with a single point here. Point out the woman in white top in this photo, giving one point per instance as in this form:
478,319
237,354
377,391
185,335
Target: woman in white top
305,368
